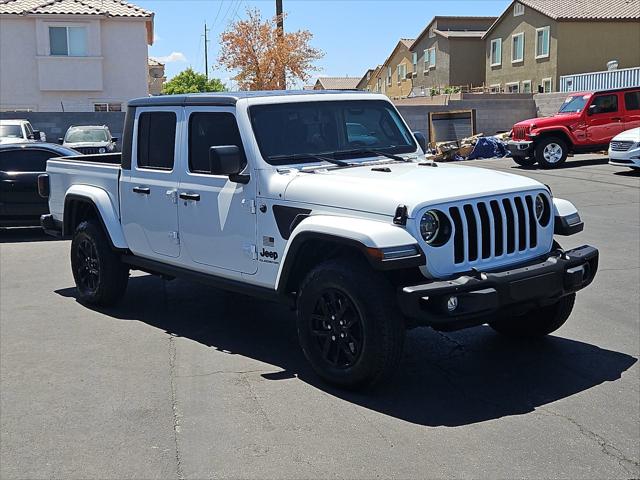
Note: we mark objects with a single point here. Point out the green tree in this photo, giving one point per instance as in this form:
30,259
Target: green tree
189,81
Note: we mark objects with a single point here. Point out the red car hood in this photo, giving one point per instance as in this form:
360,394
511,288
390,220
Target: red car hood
557,119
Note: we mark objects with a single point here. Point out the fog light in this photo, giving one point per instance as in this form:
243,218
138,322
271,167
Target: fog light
452,303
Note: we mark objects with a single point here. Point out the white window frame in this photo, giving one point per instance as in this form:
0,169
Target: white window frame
548,30
430,57
402,77
513,39
499,62
415,63
518,9
426,60
550,80
107,106
526,82
66,28
389,75
495,86
511,84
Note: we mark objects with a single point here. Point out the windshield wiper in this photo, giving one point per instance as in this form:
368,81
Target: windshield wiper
300,156
368,151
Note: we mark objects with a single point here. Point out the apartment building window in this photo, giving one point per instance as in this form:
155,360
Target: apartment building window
389,74
429,58
517,47
526,86
495,88
107,107
513,87
68,41
496,52
542,42
518,9
547,85
402,72
415,63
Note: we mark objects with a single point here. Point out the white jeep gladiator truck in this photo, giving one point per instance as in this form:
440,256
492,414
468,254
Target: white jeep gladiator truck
278,195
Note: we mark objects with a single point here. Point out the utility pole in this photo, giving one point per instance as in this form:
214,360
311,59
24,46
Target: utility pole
280,27
206,47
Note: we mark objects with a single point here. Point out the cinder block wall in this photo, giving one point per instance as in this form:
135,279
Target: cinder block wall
548,104
55,124
493,115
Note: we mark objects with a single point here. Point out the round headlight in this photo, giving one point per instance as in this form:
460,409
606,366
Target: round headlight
429,226
102,150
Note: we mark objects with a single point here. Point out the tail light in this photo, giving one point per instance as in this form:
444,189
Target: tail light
43,185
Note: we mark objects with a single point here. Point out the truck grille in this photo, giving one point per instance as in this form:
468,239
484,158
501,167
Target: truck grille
88,150
621,146
489,229
519,133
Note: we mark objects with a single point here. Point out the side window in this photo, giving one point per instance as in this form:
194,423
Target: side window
210,129
25,160
156,140
606,103
632,100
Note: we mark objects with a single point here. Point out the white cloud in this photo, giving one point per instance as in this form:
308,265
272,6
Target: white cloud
172,57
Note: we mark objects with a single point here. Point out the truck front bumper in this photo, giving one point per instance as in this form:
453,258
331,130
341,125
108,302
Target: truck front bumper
480,295
520,148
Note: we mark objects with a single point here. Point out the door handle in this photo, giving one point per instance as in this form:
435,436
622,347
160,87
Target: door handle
145,190
190,196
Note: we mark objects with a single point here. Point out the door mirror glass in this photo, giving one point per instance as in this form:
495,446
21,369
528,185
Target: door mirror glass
422,140
593,109
60,140
114,139
227,160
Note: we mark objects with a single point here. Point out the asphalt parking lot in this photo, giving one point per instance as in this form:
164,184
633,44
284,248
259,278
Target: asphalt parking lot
182,381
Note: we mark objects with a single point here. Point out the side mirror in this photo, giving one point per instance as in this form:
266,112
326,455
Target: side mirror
60,140
593,109
422,140
227,160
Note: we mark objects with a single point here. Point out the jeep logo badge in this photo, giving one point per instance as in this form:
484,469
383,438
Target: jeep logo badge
269,254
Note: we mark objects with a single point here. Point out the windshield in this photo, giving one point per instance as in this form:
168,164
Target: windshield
10,131
90,135
290,133
574,104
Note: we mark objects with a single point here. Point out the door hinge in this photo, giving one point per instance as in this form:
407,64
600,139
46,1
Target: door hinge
251,203
173,194
175,236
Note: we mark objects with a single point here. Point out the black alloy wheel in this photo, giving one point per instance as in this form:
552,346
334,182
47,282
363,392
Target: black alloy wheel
88,266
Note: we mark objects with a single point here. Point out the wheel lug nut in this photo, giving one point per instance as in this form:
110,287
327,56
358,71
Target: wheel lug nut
342,335
333,317
333,337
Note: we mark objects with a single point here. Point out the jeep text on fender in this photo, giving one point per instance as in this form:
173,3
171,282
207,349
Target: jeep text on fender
270,194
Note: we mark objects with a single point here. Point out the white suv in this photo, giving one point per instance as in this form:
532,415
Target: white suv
19,131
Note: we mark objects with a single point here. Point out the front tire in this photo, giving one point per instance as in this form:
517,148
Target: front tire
101,277
551,152
536,323
347,326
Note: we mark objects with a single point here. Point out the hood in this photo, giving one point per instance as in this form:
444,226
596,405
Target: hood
632,135
85,144
557,119
410,184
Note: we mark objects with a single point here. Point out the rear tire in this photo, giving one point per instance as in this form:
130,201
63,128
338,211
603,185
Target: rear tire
101,277
347,325
551,152
525,161
536,323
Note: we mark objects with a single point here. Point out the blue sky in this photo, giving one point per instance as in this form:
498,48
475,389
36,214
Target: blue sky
354,34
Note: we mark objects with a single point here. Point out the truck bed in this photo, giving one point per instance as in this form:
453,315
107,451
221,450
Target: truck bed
102,171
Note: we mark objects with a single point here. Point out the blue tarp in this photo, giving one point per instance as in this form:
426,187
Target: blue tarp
488,147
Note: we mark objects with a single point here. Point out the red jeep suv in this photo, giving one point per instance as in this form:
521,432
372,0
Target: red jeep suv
586,122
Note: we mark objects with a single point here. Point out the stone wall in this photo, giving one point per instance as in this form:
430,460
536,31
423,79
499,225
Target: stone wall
548,104
55,124
493,114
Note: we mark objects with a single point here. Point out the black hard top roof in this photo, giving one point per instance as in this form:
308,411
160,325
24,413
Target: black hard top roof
224,98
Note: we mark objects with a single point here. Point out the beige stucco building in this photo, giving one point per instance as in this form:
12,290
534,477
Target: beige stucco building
73,56
449,52
392,78
534,42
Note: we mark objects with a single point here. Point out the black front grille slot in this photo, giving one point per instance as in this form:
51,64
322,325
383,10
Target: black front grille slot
458,237
522,227
486,230
473,232
511,234
497,221
533,227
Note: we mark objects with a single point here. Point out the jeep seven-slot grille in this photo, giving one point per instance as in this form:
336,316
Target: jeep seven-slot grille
493,228
519,133
621,146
